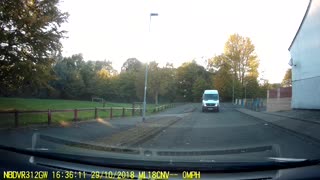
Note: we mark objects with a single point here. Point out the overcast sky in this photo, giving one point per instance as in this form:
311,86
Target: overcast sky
184,30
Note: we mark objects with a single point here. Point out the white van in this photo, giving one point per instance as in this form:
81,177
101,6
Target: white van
210,100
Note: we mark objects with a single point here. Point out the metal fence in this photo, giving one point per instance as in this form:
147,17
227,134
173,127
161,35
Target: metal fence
256,104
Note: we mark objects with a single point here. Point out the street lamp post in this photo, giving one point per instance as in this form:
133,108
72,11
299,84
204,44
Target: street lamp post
146,77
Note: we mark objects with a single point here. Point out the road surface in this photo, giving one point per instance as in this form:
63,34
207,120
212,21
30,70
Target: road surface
216,133
230,129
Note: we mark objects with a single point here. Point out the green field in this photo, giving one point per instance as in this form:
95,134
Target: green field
63,118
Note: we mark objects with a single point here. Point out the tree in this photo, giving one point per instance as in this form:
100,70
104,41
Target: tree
198,87
275,85
235,66
222,80
154,80
30,39
128,85
88,74
264,89
125,87
105,65
187,75
251,87
239,53
69,80
131,65
168,86
287,79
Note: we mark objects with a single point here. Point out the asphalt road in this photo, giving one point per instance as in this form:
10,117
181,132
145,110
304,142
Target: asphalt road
230,130
227,132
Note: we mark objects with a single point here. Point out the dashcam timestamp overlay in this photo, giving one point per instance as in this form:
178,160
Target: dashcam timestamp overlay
100,175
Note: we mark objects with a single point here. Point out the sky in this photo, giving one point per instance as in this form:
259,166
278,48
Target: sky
184,30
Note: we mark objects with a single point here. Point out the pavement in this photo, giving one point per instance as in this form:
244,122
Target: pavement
185,131
304,115
301,122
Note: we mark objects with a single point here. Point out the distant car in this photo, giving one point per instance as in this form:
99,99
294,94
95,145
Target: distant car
210,100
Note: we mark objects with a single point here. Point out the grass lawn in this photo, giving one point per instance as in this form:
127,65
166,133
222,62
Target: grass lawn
7,104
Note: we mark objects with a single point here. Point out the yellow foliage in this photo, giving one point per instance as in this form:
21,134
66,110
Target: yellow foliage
104,74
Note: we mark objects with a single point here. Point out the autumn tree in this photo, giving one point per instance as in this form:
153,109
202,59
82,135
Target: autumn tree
240,54
287,79
29,41
236,63
222,80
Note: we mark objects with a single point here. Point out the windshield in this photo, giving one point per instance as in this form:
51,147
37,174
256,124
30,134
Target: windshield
207,97
126,79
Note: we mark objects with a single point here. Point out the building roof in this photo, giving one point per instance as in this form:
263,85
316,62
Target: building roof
304,17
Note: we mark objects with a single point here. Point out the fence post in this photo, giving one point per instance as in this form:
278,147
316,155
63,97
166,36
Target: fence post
110,112
140,111
49,116
75,114
16,118
96,113
123,112
132,109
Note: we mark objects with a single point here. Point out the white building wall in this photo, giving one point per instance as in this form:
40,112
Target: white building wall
305,54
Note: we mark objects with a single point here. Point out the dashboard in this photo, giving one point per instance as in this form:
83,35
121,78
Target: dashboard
20,166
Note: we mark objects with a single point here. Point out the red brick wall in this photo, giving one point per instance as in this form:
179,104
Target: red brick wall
273,93
279,99
285,92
